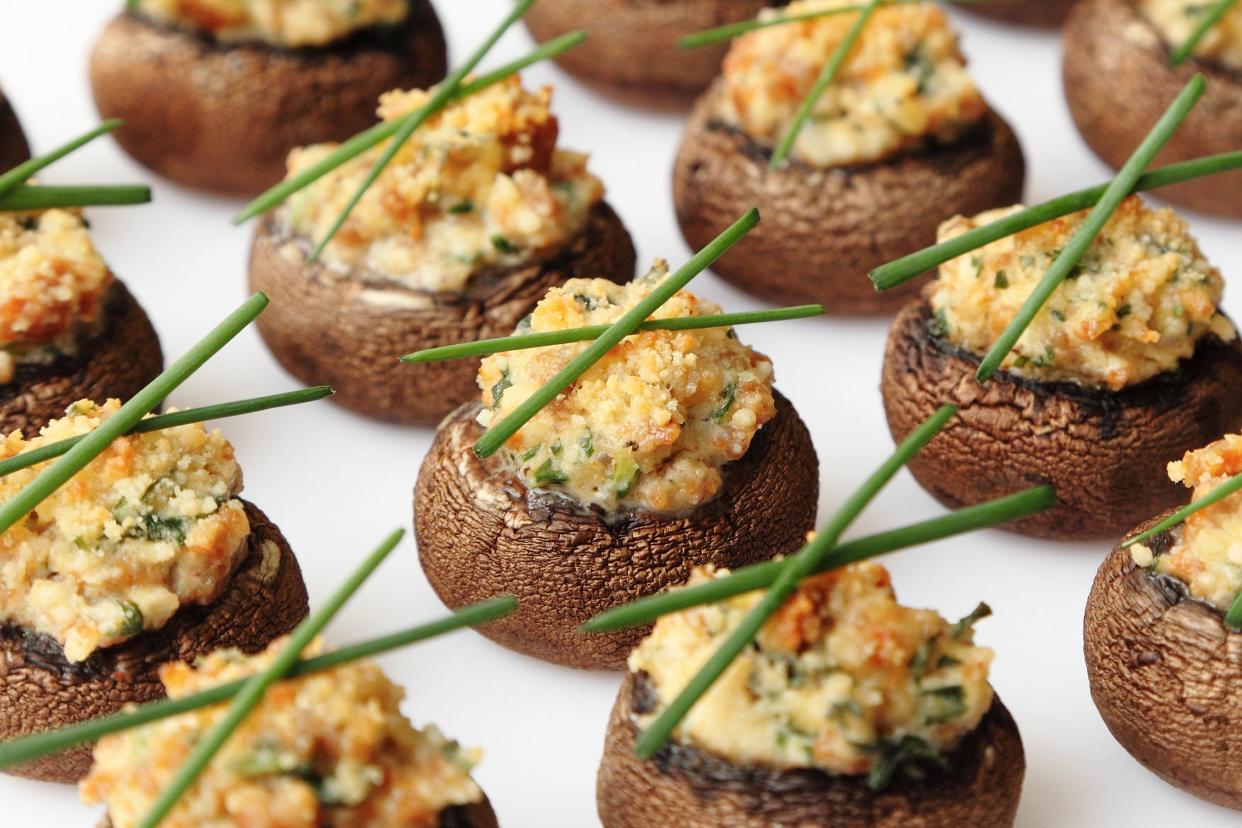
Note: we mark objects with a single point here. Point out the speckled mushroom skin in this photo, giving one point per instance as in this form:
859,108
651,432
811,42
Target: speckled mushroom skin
1166,675
1118,88
224,117
327,328
690,788
482,533
1046,13
40,690
1104,453
118,363
822,230
13,147
632,53
479,815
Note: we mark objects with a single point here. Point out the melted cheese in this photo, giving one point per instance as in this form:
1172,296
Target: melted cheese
287,23
1175,20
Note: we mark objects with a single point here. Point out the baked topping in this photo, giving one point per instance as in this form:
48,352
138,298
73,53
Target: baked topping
647,428
842,678
330,750
287,23
53,286
903,82
481,184
148,526
1207,552
1176,20
1137,303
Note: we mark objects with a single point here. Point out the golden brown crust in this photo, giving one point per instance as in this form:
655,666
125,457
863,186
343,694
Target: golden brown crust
40,690
482,533
690,788
117,363
13,147
1046,13
478,815
223,117
824,229
1117,89
1104,453
323,330
1166,675
632,52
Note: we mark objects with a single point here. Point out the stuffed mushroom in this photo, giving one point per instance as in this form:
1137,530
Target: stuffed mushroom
214,93
847,710
1119,79
900,141
1045,13
633,52
475,218
332,748
1165,669
146,556
69,329
13,147
672,451
1129,364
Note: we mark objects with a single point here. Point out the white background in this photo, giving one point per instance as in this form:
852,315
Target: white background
337,483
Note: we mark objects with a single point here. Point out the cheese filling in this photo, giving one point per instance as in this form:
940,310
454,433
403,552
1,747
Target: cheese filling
284,23
331,750
53,287
480,185
1137,304
647,428
842,678
1207,552
903,83
149,526
1175,20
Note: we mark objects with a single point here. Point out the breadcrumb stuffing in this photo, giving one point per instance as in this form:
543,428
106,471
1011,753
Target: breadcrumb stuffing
287,23
1175,20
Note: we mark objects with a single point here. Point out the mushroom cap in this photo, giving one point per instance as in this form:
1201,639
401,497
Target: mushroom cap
223,117
691,788
119,362
1046,13
13,147
327,328
1118,88
1105,453
40,690
477,815
482,533
824,229
633,52
1166,675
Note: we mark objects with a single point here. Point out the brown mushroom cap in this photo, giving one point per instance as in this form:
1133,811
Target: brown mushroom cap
690,788
40,690
1118,88
13,147
118,363
1166,675
1105,453
223,117
327,328
1046,13
482,533
824,229
632,53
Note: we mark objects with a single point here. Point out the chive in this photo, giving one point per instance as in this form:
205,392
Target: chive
1210,18
793,570
900,271
254,688
367,139
759,576
1233,618
22,172
177,418
821,83
29,748
1221,492
129,414
483,347
1093,224
41,197
444,92
496,436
